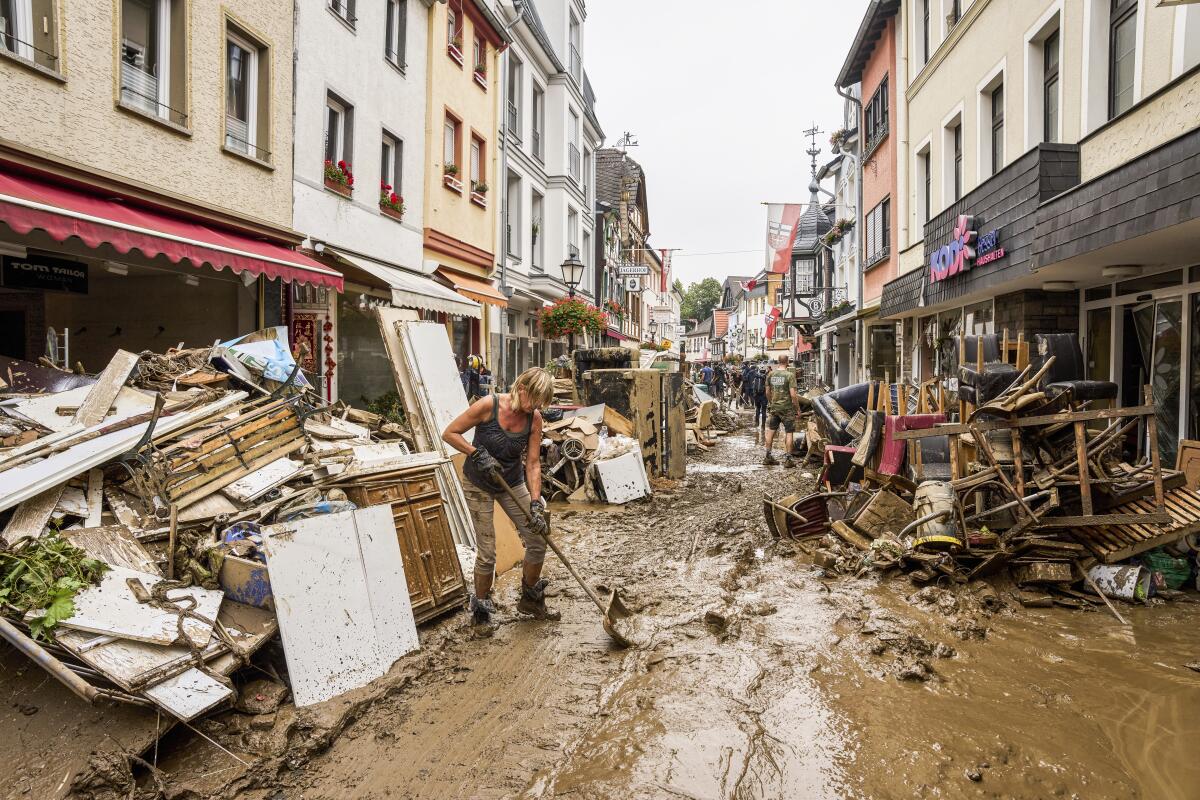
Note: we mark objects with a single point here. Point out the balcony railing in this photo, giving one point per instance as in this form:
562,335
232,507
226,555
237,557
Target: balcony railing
514,120
22,48
139,90
537,145
237,139
573,162
576,65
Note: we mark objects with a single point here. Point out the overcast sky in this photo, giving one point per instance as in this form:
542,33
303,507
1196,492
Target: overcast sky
717,94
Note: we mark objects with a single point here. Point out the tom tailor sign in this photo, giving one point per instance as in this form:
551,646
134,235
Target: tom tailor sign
44,272
967,249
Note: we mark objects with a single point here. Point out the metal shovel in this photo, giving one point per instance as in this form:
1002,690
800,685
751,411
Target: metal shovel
614,612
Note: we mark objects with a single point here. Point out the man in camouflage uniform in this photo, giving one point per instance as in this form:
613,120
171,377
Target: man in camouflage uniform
783,404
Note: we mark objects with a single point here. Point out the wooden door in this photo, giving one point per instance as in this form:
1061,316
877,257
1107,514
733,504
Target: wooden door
420,588
440,557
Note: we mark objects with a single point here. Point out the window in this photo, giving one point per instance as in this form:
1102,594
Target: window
391,163
454,33
573,147
537,206
513,91
573,233
246,97
478,171
878,240
956,136
875,116
587,175
395,32
29,30
1050,88
479,55
451,140
512,215
344,9
153,52
953,14
576,60
997,128
338,138
538,123
926,165
1122,50
924,31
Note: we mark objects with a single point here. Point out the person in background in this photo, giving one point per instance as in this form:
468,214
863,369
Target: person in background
719,382
508,437
474,364
706,376
759,394
784,404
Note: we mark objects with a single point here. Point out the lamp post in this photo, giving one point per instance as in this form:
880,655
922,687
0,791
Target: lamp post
572,271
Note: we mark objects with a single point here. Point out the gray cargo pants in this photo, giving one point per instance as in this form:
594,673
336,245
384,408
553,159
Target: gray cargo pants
480,504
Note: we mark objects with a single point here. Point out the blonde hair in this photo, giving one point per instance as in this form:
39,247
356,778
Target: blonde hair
534,386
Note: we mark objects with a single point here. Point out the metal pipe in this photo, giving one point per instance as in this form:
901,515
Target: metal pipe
909,528
48,662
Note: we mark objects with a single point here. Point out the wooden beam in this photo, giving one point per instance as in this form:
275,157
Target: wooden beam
957,428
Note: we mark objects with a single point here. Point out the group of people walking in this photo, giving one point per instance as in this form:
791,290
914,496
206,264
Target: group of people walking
771,390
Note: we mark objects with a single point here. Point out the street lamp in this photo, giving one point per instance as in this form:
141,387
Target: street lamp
572,270
653,326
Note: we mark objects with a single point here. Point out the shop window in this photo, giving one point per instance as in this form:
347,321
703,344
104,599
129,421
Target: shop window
153,78
339,130
1098,292
29,30
247,94
1122,51
1149,283
949,328
1099,345
980,319
395,32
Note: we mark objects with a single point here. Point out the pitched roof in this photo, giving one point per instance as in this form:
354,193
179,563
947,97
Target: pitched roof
612,168
589,104
720,320
814,223
869,30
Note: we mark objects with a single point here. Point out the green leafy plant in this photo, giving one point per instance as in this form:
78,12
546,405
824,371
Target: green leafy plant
44,575
339,173
838,231
838,138
481,69
389,406
479,187
450,169
572,315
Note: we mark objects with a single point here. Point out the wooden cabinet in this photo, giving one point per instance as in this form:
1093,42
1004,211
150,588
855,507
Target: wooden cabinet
431,567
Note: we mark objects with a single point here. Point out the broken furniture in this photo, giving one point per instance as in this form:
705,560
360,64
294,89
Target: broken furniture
653,401
431,567
1068,370
834,410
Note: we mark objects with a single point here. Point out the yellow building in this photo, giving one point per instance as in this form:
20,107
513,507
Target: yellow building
465,39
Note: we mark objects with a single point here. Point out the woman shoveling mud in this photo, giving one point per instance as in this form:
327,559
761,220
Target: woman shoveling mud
508,436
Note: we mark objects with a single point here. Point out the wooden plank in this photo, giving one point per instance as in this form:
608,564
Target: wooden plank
234,439
1027,422
1104,519
257,483
31,516
104,391
1188,461
207,508
111,608
1152,436
129,664
115,546
190,694
203,485
334,611
1081,460
95,498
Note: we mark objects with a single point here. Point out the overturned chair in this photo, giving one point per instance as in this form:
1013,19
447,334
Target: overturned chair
1067,371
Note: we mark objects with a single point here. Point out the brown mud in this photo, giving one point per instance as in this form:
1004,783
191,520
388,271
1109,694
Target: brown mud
762,678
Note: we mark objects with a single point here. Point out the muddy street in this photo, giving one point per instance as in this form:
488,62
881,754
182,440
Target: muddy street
763,679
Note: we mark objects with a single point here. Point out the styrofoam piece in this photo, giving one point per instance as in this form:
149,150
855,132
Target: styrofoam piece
112,608
623,478
34,477
340,598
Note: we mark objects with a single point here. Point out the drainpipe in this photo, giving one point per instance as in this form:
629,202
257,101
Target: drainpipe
858,223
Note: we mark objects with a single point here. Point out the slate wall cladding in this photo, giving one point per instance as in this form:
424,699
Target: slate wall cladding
1158,189
1033,311
1008,201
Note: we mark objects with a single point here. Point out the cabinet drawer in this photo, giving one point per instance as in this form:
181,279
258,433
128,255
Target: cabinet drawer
377,495
420,486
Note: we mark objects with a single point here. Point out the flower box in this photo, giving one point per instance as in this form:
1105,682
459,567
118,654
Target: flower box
388,211
455,52
339,188
479,199
452,182
481,79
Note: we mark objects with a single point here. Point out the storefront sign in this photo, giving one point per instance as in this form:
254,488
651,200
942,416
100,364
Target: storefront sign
988,249
625,270
44,272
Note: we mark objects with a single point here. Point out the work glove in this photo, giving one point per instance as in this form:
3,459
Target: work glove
538,524
483,461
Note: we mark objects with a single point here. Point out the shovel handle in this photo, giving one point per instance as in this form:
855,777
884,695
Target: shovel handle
565,561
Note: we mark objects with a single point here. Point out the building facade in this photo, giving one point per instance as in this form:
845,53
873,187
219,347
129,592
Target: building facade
621,192
146,177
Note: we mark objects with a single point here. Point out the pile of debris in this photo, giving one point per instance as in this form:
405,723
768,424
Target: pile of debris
590,455
1071,502
188,506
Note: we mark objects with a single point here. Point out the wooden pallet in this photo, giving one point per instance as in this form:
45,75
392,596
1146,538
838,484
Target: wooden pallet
1112,543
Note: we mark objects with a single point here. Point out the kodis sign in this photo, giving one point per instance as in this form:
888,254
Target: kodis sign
954,258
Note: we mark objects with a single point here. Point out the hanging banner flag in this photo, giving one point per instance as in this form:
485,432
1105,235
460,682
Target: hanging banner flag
666,270
772,319
782,219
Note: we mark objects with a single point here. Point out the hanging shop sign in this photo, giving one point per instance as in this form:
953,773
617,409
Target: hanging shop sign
967,249
44,272
626,270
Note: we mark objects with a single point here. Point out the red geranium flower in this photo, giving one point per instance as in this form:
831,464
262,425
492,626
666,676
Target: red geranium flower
341,164
393,199
349,180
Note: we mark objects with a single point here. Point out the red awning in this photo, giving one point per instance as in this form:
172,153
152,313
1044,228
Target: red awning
28,202
478,289
616,334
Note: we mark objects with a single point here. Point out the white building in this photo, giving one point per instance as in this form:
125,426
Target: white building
837,336
360,98
548,137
